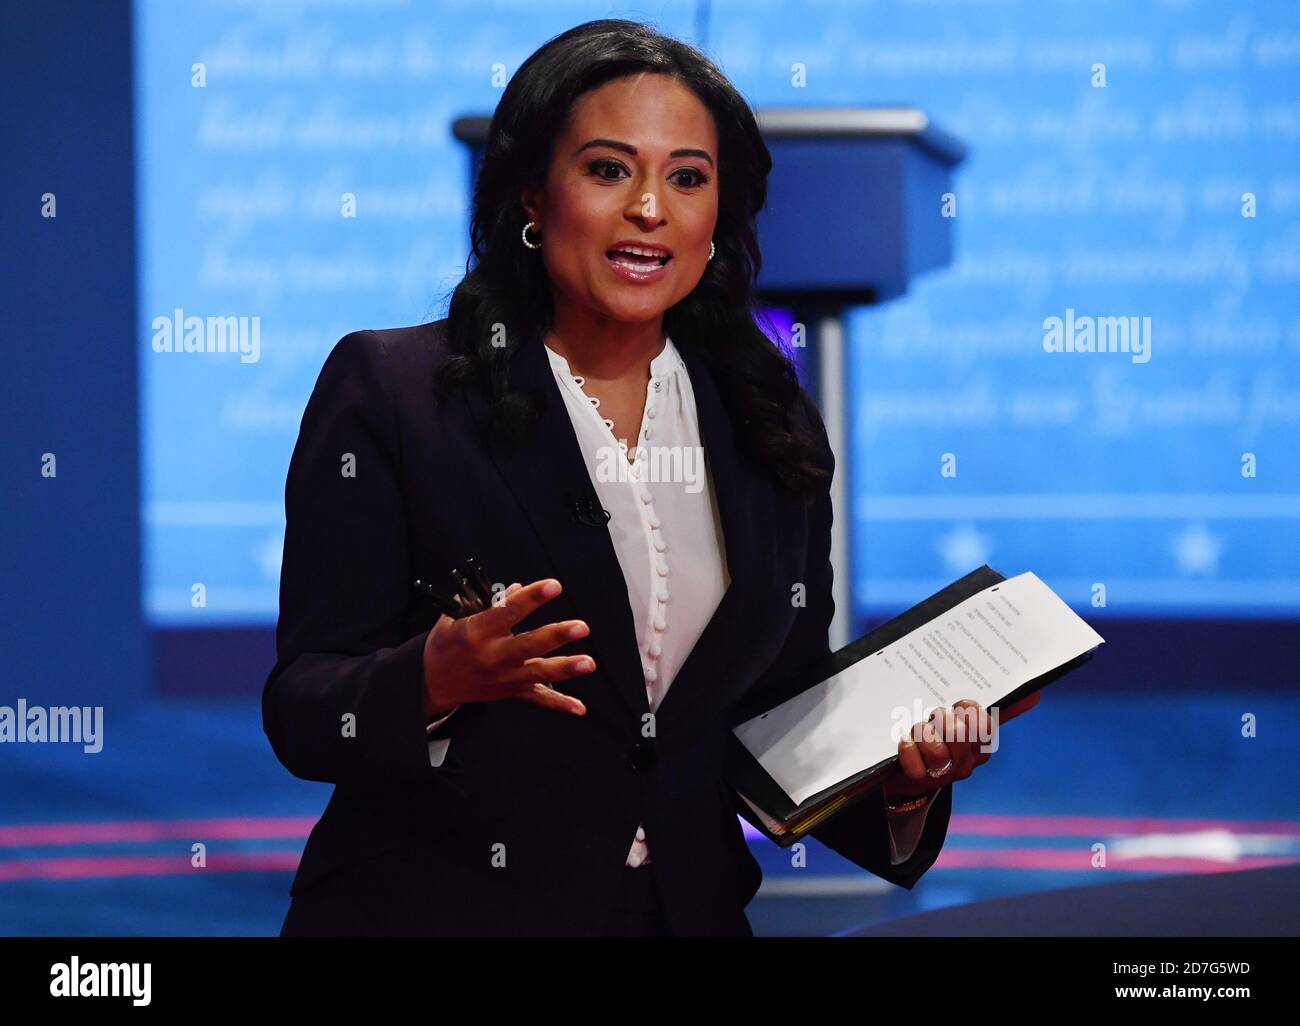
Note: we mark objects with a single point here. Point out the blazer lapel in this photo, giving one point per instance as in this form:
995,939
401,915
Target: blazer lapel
547,473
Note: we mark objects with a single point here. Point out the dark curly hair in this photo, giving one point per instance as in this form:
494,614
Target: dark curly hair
506,285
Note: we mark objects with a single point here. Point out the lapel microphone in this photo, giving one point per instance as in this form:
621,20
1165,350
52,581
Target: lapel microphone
588,510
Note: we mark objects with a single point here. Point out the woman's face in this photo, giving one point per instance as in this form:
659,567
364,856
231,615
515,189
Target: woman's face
637,163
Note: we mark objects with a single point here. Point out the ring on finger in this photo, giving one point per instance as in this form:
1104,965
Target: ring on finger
941,770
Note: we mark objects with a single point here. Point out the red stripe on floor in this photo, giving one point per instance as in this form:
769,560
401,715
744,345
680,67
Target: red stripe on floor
93,867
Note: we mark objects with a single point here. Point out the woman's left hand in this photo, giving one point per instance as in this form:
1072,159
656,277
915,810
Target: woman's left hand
951,741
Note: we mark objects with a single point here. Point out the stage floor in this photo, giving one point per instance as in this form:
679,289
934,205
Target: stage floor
101,844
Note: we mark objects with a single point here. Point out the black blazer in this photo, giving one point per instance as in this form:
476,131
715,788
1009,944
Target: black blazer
525,828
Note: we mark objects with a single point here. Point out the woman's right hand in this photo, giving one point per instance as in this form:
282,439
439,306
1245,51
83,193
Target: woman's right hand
478,659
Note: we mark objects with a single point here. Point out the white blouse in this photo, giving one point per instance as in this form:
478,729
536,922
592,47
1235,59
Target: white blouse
663,514
667,534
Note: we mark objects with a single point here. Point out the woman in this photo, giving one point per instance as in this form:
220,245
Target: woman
553,764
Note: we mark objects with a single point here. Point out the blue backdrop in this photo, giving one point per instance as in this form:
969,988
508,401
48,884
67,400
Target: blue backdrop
296,170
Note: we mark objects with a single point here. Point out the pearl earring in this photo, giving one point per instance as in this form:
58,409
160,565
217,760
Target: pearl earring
524,236
712,249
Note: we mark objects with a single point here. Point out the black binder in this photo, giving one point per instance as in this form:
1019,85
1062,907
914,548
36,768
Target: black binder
746,776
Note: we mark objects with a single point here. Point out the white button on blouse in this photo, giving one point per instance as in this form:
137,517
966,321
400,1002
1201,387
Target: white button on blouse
664,519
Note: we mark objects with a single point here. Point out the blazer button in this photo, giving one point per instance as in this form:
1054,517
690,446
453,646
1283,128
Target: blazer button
641,755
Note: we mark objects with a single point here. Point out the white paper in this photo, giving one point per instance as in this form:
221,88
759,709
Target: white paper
983,649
